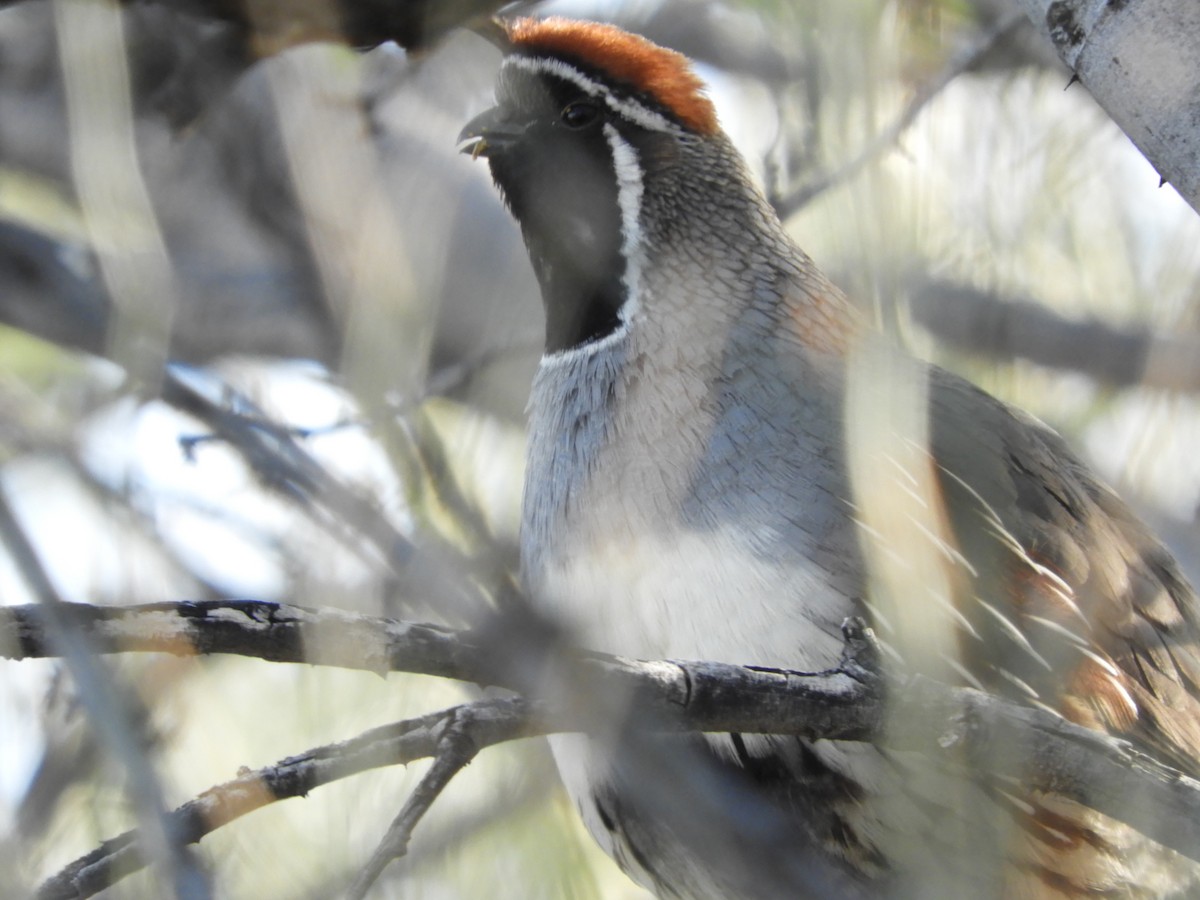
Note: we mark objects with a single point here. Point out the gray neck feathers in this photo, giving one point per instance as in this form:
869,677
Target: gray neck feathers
570,424
619,429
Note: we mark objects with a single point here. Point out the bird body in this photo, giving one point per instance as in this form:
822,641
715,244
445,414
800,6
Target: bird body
725,463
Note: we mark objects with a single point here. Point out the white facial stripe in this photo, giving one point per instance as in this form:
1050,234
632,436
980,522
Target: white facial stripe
561,358
631,110
629,201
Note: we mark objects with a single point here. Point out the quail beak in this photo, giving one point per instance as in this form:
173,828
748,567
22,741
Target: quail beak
476,146
488,133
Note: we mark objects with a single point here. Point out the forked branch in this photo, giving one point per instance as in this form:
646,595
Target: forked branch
483,724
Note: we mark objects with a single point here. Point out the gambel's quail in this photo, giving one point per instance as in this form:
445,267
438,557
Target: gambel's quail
726,462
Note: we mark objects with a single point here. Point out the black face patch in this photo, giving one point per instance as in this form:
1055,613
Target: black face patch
557,174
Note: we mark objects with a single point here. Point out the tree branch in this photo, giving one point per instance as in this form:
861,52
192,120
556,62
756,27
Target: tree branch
456,747
270,631
1138,61
1007,328
486,723
594,692
282,463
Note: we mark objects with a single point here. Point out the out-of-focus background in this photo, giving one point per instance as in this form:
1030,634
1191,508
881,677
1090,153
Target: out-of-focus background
192,227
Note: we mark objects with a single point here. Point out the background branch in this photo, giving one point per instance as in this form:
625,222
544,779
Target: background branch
1005,328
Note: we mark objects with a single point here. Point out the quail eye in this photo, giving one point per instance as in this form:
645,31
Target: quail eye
579,114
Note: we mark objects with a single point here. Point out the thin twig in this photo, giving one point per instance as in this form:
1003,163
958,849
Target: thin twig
963,61
287,467
455,375
456,748
281,462
486,722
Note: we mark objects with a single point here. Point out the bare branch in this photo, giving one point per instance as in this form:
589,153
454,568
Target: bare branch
456,748
271,450
270,631
1137,60
486,723
795,200
1008,328
593,692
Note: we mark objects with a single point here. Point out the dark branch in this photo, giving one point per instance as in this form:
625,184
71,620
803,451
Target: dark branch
270,631
1037,748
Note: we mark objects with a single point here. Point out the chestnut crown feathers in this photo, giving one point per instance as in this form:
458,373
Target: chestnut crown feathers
645,68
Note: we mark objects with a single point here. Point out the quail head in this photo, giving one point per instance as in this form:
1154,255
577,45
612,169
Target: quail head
725,463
